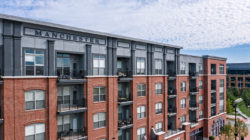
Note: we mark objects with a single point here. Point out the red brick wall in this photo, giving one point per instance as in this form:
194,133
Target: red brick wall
15,116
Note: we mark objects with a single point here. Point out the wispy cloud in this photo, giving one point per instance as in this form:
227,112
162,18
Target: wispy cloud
193,24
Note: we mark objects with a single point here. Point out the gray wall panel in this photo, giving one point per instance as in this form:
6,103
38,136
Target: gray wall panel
158,55
99,49
123,52
170,57
28,42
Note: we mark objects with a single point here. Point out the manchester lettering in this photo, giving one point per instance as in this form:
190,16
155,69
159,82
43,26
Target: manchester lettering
63,36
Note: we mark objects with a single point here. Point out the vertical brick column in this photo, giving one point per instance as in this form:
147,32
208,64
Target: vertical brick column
52,108
186,127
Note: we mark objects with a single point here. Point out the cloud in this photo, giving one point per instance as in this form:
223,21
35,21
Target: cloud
193,24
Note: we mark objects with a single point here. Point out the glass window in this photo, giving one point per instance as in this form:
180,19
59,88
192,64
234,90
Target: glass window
35,132
63,64
221,69
201,99
158,127
183,103
141,90
200,114
98,65
183,86
183,68
63,123
183,118
140,65
141,132
34,62
158,108
141,112
200,68
63,95
158,66
158,88
100,120
200,84
99,94
34,99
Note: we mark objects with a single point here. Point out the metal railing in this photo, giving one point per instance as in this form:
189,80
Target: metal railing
192,104
172,132
124,73
124,98
71,134
193,73
67,74
193,89
171,73
125,122
172,109
171,91
70,105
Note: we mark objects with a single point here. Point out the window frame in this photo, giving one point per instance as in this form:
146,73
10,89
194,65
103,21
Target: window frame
221,68
158,127
158,108
98,57
141,90
183,103
183,86
200,84
99,94
158,71
201,114
157,89
140,70
140,114
34,100
35,125
99,122
201,99
140,134
34,55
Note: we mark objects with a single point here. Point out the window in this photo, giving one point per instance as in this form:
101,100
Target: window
158,66
183,103
63,64
34,99
140,65
141,90
200,114
63,95
200,68
158,127
35,132
201,99
99,120
221,69
141,112
183,86
183,118
158,108
158,88
200,84
222,85
141,132
98,65
34,62
99,94
63,123
183,68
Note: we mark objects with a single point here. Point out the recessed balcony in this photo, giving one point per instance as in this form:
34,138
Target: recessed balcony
171,93
171,75
193,91
193,106
125,124
72,135
171,111
124,75
64,109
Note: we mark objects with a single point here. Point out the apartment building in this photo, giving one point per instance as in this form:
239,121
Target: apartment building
62,82
238,75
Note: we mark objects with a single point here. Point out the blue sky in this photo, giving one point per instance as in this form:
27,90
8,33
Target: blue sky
215,27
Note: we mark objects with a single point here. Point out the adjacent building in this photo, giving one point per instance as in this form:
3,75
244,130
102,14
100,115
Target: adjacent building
238,75
61,82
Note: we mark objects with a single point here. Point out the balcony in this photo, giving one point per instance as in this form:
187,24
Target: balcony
194,123
64,109
171,111
70,78
213,111
213,68
171,93
124,75
72,135
171,75
193,75
123,101
193,105
125,124
1,117
173,132
124,95
193,90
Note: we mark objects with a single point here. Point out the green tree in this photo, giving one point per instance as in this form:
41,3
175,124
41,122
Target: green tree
227,132
241,128
230,108
246,96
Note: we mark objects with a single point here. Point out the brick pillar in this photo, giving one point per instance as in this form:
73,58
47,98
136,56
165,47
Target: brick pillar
186,127
160,136
52,108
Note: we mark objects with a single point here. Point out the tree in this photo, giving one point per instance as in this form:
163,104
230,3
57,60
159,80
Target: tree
227,132
241,128
230,108
246,96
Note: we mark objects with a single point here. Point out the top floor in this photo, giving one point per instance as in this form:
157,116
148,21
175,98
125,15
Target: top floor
238,68
35,48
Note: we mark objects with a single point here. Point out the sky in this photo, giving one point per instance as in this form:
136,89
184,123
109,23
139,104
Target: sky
214,27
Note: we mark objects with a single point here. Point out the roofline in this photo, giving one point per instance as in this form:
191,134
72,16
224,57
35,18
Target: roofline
214,57
66,27
190,55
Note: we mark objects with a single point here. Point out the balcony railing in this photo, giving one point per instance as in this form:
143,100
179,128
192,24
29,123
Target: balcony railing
192,104
67,74
125,123
172,111
72,135
124,73
171,73
172,132
71,107
193,74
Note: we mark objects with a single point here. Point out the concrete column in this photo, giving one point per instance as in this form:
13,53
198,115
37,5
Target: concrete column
186,127
51,58
133,59
149,68
164,61
109,57
88,60
17,50
114,57
177,61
